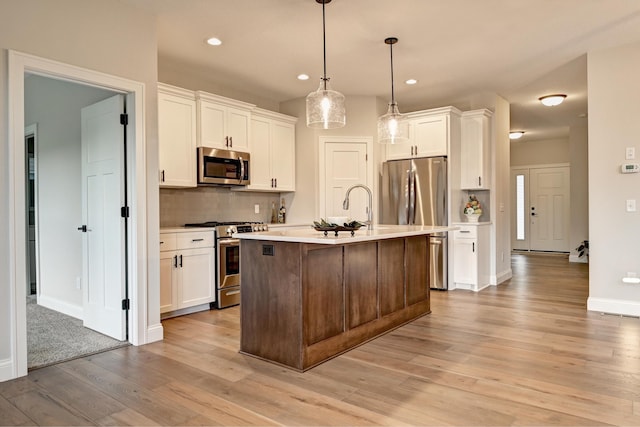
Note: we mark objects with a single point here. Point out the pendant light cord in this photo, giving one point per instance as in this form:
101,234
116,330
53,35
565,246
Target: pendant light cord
324,48
393,98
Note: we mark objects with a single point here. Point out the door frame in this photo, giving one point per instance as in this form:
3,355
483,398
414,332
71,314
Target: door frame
19,64
527,200
323,141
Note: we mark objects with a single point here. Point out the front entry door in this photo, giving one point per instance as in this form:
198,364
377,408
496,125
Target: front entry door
549,209
103,235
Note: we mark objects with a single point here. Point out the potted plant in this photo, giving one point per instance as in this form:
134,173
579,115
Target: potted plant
472,209
583,249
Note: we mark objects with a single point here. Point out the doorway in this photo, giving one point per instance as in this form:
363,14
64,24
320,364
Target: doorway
345,162
145,325
57,195
541,208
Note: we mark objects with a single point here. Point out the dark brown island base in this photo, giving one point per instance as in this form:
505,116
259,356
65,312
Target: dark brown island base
307,297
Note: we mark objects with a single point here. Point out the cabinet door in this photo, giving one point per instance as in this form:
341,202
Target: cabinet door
238,129
211,125
261,178
176,141
474,160
283,155
197,270
403,150
431,135
465,268
417,266
168,279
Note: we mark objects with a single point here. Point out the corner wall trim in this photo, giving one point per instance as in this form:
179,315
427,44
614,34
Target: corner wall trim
155,333
7,370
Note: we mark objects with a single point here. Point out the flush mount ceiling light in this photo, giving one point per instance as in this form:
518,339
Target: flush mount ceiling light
411,81
516,134
214,41
552,100
325,107
303,77
391,129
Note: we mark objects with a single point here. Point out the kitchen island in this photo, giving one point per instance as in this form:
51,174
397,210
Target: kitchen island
307,297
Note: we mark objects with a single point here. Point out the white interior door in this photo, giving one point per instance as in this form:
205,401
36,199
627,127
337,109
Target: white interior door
345,165
102,197
549,209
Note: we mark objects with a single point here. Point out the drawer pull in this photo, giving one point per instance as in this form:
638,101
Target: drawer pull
465,231
231,293
161,242
197,240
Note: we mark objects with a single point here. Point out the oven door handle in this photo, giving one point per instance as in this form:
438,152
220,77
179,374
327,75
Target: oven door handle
229,242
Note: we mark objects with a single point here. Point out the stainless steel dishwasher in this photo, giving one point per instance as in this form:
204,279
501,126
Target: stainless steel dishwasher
438,264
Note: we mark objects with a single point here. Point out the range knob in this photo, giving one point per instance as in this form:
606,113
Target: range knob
231,230
265,227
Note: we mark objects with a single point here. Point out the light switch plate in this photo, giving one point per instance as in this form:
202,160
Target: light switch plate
256,208
631,205
630,153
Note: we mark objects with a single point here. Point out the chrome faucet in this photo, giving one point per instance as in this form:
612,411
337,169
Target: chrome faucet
345,204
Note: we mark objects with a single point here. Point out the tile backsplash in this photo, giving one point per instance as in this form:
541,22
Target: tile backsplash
191,205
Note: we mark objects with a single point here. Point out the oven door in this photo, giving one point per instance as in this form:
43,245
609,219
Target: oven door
228,284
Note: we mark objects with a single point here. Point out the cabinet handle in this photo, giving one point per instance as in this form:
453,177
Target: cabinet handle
180,261
479,181
465,231
197,240
412,150
473,249
271,182
162,178
226,141
175,261
275,180
230,141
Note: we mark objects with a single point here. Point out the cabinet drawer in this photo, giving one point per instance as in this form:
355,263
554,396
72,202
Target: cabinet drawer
197,239
167,242
466,232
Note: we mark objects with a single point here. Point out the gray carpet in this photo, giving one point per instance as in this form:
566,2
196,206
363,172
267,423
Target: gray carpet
54,337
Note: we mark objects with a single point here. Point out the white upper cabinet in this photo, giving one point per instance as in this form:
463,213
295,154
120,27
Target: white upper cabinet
223,122
429,134
272,146
475,161
176,136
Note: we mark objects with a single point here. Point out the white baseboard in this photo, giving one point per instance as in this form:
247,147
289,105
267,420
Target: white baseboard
613,306
575,258
501,277
61,306
7,370
155,333
468,287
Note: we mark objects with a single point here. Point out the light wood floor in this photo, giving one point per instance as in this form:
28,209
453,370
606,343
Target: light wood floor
524,353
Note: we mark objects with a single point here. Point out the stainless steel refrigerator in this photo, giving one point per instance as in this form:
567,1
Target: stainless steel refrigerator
414,192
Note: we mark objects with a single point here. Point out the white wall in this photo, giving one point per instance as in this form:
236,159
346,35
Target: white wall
54,105
362,116
541,152
99,35
501,195
579,155
613,86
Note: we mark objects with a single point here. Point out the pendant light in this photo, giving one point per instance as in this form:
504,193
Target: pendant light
325,107
391,126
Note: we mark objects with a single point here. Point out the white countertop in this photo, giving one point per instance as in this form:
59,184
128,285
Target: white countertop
309,235
178,229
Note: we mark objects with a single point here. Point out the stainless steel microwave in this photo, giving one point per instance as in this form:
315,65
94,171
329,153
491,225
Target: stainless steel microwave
222,167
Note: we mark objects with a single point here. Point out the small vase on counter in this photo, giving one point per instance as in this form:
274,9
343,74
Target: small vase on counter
282,213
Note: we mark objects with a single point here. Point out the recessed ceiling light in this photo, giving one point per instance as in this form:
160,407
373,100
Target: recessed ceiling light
214,41
411,81
552,100
303,77
516,134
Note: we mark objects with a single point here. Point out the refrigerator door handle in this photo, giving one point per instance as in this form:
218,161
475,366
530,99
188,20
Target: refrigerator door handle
408,198
412,197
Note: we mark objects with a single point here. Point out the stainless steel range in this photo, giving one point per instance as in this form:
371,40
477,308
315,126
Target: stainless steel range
228,257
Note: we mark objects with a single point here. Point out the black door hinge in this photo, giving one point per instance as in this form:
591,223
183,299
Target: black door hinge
126,304
124,212
124,119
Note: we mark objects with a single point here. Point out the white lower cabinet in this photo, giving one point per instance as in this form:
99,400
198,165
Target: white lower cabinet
187,270
471,256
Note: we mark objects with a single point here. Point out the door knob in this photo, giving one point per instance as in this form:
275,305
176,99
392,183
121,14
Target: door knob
83,228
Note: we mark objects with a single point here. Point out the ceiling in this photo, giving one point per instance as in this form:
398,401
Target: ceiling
456,49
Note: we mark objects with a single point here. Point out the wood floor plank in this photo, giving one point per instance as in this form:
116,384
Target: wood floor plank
525,352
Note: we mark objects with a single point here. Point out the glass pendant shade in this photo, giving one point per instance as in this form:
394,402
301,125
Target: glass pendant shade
392,127
325,108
